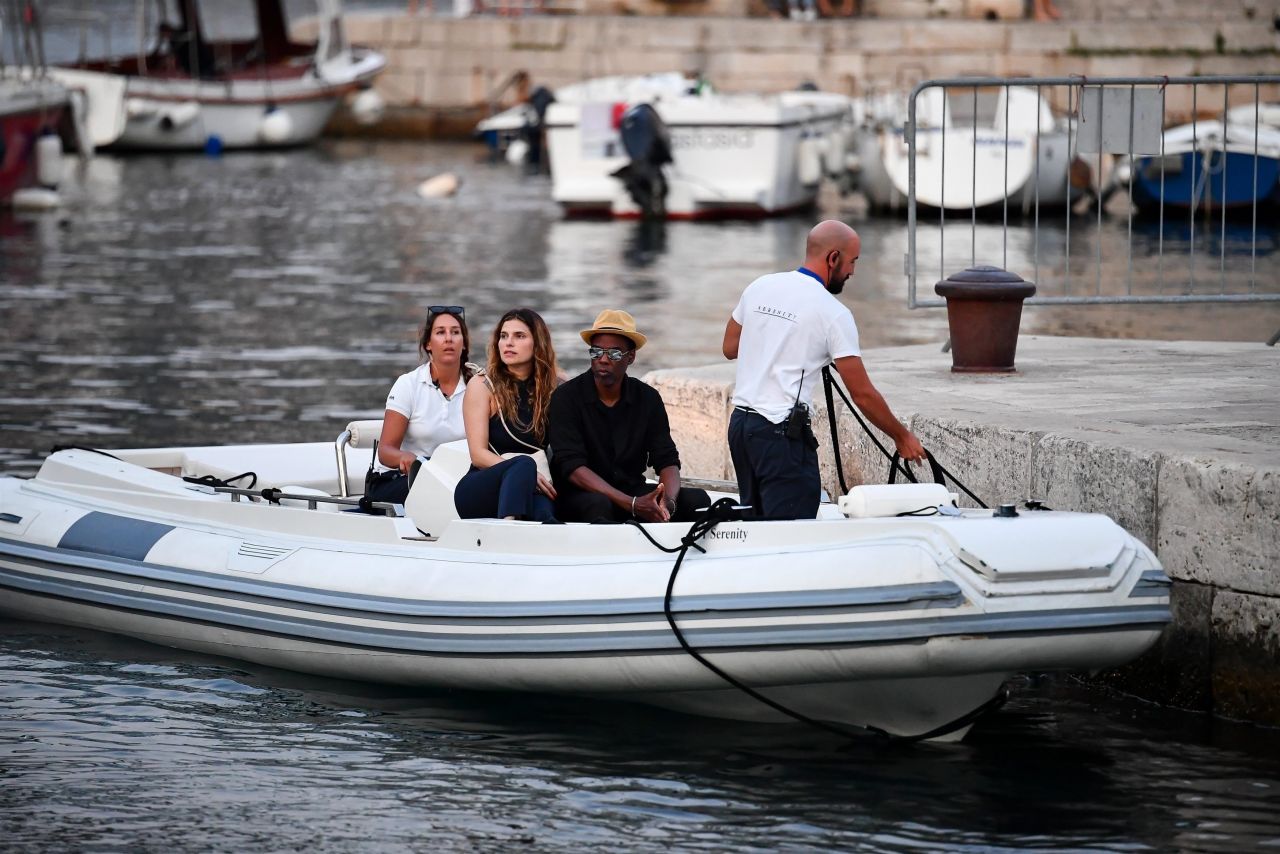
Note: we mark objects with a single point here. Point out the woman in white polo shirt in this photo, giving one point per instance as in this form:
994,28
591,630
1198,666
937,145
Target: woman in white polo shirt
424,408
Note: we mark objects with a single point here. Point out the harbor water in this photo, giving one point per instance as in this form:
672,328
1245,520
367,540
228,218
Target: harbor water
269,297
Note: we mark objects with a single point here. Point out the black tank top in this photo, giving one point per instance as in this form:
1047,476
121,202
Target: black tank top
503,438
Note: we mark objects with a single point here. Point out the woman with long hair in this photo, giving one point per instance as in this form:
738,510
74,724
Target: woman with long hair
424,408
505,415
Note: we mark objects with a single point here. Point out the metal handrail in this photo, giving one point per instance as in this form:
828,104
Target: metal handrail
388,508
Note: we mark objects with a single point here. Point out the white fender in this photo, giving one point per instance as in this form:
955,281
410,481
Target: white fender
367,107
890,499
276,127
834,152
517,151
49,160
809,161
179,116
35,199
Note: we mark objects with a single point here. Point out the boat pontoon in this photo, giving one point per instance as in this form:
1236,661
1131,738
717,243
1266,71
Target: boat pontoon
862,617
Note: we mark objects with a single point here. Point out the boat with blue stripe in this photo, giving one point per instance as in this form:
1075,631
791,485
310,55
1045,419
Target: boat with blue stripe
900,624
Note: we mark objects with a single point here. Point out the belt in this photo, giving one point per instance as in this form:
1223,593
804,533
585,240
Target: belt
746,409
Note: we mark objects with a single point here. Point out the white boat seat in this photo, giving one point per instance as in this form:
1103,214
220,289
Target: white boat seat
364,432
430,502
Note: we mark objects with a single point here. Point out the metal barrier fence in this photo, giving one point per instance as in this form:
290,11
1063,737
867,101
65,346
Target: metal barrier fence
1055,150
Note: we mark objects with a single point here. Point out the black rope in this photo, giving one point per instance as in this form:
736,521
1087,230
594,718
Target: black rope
210,480
940,473
725,510
57,448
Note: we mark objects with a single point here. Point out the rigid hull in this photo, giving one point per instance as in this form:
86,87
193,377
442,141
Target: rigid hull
1015,155
900,624
733,155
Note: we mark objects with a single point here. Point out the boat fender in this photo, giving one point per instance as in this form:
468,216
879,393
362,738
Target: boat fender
139,108
213,145
440,186
517,151
367,107
276,127
178,117
809,161
877,500
833,154
49,161
35,199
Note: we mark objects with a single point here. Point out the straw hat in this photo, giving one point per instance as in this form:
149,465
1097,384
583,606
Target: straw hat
614,321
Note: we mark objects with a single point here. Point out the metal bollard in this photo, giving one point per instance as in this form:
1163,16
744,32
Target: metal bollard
984,308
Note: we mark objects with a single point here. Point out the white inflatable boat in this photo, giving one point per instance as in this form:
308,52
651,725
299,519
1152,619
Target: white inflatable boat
862,618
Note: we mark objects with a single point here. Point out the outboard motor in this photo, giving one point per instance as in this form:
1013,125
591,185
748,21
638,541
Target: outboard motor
648,143
534,130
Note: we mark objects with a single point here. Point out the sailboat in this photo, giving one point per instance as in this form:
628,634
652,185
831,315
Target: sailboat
184,90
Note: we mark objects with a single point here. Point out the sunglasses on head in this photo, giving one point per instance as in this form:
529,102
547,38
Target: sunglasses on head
615,354
459,311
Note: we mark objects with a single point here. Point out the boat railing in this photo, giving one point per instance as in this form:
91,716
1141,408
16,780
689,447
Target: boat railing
312,501
1100,152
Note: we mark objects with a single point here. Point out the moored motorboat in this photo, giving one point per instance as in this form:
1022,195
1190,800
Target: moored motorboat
978,150
185,90
861,618
696,156
1210,165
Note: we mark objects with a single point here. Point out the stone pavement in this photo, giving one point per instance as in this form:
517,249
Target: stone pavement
1177,441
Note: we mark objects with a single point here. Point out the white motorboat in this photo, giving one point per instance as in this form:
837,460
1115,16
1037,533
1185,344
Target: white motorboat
967,154
695,156
187,91
860,617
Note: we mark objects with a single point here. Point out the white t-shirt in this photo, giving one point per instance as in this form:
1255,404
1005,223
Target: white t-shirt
791,328
433,418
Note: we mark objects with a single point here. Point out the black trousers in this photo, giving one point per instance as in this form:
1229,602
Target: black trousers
389,486
575,505
777,476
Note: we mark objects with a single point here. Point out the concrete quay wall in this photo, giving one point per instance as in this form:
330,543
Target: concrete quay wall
443,73
1179,442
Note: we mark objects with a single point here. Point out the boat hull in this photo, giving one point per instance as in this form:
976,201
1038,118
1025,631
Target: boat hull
26,114
184,114
1209,180
733,157
876,623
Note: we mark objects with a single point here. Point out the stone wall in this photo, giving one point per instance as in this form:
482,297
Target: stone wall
444,73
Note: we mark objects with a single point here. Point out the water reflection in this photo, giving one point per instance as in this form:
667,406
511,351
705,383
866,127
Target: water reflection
105,740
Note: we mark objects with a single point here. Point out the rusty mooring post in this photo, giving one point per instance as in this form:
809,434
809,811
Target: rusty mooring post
984,308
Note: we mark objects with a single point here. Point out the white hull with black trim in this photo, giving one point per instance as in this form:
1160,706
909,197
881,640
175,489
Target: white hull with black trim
900,624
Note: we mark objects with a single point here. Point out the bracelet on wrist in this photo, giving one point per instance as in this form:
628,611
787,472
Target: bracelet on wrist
633,505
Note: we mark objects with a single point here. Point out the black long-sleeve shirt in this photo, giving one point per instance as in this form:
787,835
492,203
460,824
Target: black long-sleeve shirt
616,442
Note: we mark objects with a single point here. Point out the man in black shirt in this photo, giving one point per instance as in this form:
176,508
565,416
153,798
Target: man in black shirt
604,428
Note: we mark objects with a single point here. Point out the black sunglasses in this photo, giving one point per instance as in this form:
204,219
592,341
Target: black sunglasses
615,354
459,311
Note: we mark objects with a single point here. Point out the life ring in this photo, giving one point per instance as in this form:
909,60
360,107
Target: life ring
838,8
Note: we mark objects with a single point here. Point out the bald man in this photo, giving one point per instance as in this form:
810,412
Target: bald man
784,330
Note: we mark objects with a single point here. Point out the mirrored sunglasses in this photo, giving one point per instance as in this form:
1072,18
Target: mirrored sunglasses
615,354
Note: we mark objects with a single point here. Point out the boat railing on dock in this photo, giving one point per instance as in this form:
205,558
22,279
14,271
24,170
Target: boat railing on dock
1196,158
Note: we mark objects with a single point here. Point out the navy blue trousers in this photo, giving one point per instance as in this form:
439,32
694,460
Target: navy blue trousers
507,489
777,476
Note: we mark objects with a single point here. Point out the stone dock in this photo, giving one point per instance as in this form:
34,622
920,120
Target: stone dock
1179,442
